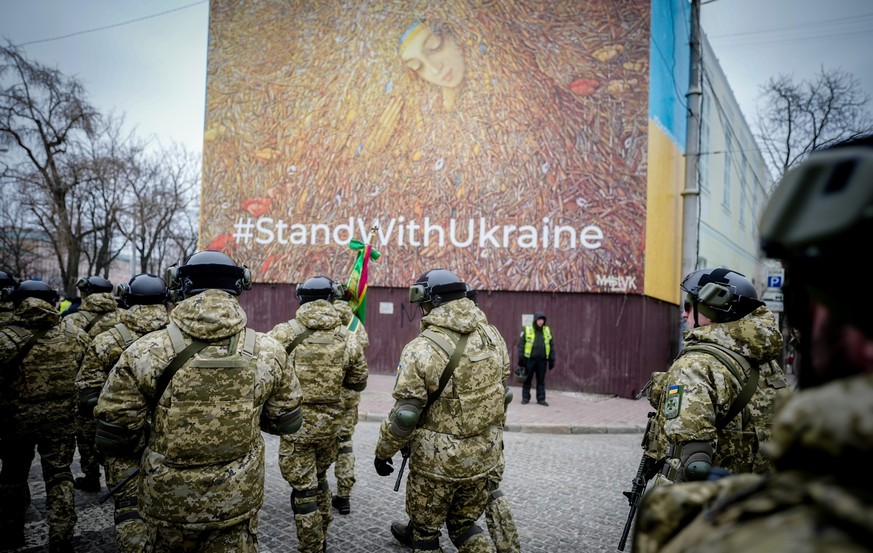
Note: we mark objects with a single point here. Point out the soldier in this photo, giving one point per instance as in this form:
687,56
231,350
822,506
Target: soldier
7,285
326,359
450,396
97,313
344,468
188,401
498,513
38,353
819,496
717,398
146,296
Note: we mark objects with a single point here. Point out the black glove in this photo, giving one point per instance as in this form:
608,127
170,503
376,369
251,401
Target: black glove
384,466
551,366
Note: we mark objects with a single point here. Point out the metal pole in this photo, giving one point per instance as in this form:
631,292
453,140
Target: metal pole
691,193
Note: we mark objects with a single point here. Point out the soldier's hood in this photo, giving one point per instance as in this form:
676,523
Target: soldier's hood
144,318
318,315
36,313
756,336
826,429
103,302
209,315
344,310
459,315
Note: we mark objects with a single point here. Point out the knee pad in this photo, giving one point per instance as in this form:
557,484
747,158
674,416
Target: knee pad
466,535
304,502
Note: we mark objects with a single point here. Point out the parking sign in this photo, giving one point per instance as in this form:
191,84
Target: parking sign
774,281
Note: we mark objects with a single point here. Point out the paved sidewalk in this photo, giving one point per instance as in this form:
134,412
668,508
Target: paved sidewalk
567,413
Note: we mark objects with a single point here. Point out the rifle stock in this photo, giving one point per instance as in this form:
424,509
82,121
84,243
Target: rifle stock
405,451
645,471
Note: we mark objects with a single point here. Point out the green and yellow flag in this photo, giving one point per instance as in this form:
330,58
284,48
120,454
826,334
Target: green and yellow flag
358,278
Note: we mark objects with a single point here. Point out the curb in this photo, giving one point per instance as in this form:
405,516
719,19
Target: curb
534,428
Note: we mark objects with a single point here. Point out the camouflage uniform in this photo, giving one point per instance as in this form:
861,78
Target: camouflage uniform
498,513
817,499
456,445
5,312
344,468
131,532
698,390
37,411
201,488
103,306
326,361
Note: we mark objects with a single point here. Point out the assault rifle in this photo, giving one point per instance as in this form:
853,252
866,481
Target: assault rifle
405,451
647,469
130,476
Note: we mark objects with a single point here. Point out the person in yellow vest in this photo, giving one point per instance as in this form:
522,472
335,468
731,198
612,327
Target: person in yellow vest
536,352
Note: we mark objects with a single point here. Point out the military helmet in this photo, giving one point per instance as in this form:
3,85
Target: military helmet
143,289
318,288
94,285
209,270
8,283
34,289
437,287
817,222
721,295
472,294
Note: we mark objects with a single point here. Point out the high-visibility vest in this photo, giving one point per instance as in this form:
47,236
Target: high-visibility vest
530,334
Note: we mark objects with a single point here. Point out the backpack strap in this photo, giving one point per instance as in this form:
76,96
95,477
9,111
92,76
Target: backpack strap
125,334
97,318
300,332
454,351
183,354
738,367
15,362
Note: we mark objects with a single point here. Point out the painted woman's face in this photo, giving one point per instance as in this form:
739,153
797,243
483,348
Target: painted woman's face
435,56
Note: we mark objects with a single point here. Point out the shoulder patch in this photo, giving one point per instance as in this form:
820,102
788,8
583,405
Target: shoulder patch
673,401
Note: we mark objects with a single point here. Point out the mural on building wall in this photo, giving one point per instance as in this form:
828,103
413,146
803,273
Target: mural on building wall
506,140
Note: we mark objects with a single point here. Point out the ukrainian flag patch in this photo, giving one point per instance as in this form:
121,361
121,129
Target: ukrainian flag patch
673,401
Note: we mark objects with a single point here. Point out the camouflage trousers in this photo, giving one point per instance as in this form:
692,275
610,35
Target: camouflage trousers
89,460
56,446
498,515
458,505
131,531
239,538
304,465
344,469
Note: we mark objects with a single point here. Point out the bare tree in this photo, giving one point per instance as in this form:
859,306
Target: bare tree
797,118
43,118
18,249
157,219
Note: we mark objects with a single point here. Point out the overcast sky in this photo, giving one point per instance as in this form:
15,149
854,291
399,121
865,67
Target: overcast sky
147,60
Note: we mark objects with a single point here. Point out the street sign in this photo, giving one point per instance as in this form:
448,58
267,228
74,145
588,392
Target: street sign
774,281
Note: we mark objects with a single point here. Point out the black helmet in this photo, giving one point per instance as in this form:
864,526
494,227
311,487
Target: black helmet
94,285
436,287
34,289
722,295
816,222
472,294
143,289
8,283
209,270
318,288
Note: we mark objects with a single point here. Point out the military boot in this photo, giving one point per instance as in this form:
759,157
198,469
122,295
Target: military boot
341,504
89,484
402,533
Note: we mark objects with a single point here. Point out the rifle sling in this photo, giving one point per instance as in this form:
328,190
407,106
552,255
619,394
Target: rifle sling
183,356
22,353
450,367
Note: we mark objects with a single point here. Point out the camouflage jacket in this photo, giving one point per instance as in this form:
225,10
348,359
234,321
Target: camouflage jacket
39,393
6,309
458,438
326,362
101,305
818,498
351,397
698,390
200,494
106,347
